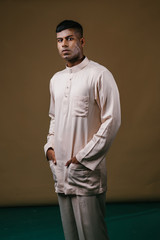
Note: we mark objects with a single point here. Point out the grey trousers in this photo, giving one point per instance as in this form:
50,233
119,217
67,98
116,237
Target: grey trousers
83,217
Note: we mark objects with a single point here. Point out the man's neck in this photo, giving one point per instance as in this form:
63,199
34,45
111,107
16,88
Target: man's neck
74,62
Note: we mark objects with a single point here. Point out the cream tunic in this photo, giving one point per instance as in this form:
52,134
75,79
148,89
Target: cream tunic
85,117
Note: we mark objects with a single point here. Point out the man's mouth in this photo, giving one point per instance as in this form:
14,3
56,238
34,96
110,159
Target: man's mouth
65,50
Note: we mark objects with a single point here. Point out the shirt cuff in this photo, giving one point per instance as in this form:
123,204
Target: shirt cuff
91,164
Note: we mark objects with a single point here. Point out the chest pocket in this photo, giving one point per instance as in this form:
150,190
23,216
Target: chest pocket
80,106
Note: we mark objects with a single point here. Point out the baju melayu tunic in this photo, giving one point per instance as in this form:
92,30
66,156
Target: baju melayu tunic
85,117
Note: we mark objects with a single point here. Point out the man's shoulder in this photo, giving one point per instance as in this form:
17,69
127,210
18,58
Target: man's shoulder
59,73
98,68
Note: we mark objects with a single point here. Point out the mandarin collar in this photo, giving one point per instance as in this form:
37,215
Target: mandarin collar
78,67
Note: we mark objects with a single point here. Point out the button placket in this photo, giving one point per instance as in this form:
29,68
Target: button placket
67,93
67,90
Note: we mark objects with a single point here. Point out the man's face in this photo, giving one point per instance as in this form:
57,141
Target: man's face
70,45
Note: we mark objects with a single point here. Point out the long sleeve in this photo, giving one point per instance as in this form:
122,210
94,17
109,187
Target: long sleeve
107,98
50,136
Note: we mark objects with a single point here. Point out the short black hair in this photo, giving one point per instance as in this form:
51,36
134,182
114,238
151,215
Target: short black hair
66,24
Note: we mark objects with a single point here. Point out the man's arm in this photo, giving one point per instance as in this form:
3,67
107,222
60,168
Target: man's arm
49,146
72,160
51,155
107,97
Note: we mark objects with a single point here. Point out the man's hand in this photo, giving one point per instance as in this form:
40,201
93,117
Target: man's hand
72,160
51,155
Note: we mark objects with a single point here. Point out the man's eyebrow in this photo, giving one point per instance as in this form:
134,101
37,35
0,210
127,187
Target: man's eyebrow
65,37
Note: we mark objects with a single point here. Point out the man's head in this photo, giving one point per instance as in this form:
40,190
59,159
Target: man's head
68,24
70,41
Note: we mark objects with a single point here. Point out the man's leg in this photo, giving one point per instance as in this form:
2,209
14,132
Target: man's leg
67,216
89,213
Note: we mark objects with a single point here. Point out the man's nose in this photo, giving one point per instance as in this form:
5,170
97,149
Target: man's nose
64,43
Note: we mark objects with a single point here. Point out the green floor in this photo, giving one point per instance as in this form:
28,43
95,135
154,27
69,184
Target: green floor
125,221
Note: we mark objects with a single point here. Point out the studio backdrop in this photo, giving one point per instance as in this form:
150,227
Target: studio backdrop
121,35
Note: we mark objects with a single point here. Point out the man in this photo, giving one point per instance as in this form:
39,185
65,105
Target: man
85,117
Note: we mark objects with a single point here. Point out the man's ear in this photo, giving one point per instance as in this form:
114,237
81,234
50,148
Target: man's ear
82,40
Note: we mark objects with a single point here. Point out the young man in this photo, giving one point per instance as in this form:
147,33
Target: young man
85,117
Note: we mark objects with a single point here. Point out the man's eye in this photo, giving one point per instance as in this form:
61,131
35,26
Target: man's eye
59,40
70,39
